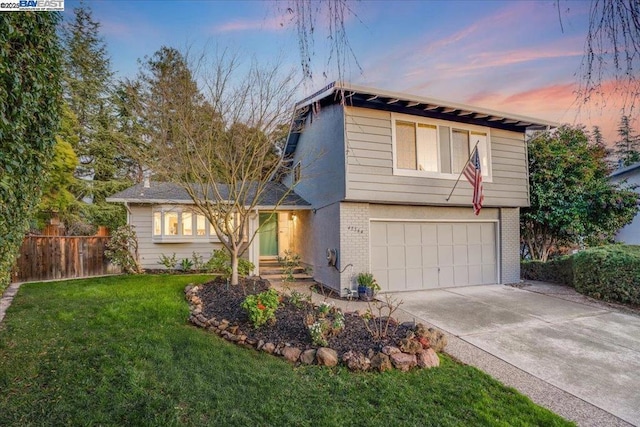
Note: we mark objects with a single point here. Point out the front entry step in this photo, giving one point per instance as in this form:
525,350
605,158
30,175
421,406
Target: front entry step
274,271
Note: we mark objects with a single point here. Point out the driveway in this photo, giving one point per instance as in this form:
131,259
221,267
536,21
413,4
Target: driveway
589,351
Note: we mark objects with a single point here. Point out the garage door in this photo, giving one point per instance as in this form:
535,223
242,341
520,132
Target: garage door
429,255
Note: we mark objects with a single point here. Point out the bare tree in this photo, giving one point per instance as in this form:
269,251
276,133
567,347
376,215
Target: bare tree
333,16
222,141
611,59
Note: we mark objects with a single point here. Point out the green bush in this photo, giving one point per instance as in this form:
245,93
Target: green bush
558,270
611,273
220,263
262,308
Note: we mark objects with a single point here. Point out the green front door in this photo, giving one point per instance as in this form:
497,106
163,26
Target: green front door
268,234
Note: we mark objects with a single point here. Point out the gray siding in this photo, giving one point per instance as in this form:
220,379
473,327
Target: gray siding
370,176
320,152
142,218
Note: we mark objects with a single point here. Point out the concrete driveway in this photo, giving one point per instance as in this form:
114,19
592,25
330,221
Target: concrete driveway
591,352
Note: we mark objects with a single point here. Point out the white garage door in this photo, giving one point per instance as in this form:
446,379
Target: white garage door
429,255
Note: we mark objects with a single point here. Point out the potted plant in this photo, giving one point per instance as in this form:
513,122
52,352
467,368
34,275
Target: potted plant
367,286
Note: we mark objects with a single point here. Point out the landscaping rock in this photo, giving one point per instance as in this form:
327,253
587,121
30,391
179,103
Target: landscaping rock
356,361
427,359
308,357
292,354
403,361
327,356
381,362
437,339
188,288
260,344
389,350
269,347
410,345
233,329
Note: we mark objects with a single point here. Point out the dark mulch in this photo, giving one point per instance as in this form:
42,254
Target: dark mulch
224,301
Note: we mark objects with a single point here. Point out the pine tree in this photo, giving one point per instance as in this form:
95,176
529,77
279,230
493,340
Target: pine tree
87,87
627,148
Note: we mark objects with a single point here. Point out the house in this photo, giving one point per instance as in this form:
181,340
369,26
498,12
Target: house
372,171
630,233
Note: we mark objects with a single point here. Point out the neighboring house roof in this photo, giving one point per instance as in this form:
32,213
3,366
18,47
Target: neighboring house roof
360,96
627,170
166,192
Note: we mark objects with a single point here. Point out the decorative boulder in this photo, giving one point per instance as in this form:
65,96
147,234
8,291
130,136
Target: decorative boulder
291,354
410,345
389,350
437,339
269,348
356,361
381,362
428,359
327,356
403,361
308,357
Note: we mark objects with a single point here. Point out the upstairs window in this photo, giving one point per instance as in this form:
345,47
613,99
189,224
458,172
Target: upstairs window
435,148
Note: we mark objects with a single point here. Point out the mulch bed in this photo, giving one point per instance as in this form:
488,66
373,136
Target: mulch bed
224,301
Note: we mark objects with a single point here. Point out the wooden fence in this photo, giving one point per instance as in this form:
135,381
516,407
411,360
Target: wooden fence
61,257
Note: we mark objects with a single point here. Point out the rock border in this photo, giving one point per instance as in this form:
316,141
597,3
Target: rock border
418,350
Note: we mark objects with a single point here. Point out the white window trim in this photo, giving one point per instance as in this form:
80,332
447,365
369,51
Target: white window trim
486,176
179,238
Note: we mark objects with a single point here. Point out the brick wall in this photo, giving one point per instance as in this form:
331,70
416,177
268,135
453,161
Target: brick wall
354,243
510,245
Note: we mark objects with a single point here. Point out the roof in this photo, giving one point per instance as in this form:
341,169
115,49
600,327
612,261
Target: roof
625,170
167,192
361,96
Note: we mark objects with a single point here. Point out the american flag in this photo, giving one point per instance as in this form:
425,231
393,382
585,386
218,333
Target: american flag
474,174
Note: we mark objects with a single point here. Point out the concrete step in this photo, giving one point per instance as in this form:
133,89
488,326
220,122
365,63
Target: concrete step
279,270
278,277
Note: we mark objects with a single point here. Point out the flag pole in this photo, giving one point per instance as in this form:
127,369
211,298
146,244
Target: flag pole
463,168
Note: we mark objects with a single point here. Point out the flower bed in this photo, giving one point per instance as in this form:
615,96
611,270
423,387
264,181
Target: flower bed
304,333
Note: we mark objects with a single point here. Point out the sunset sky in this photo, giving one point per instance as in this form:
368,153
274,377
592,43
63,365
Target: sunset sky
511,56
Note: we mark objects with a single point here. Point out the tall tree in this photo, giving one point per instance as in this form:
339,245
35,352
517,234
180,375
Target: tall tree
29,117
572,199
87,84
58,198
220,144
627,148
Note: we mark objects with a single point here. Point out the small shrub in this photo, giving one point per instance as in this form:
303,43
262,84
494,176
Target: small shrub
198,264
186,264
290,262
367,280
122,249
318,332
297,299
262,307
220,262
328,321
169,262
378,324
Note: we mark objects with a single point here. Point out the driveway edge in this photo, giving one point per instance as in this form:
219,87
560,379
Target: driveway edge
539,391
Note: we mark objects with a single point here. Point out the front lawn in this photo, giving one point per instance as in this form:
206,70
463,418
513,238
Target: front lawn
119,351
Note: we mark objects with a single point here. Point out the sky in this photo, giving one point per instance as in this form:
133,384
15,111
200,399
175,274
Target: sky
520,57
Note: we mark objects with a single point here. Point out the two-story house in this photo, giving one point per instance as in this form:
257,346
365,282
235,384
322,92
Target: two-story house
373,171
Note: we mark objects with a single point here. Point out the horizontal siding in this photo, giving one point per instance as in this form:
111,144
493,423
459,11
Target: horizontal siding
141,218
370,168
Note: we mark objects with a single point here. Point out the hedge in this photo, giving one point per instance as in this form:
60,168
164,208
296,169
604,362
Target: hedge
610,273
558,270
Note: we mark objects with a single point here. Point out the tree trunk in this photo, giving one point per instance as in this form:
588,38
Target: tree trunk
234,267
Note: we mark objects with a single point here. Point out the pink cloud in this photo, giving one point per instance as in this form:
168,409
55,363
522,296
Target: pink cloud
272,24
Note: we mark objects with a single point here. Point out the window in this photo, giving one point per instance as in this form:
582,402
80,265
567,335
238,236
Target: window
435,148
179,224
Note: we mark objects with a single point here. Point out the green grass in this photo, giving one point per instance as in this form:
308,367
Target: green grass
119,351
